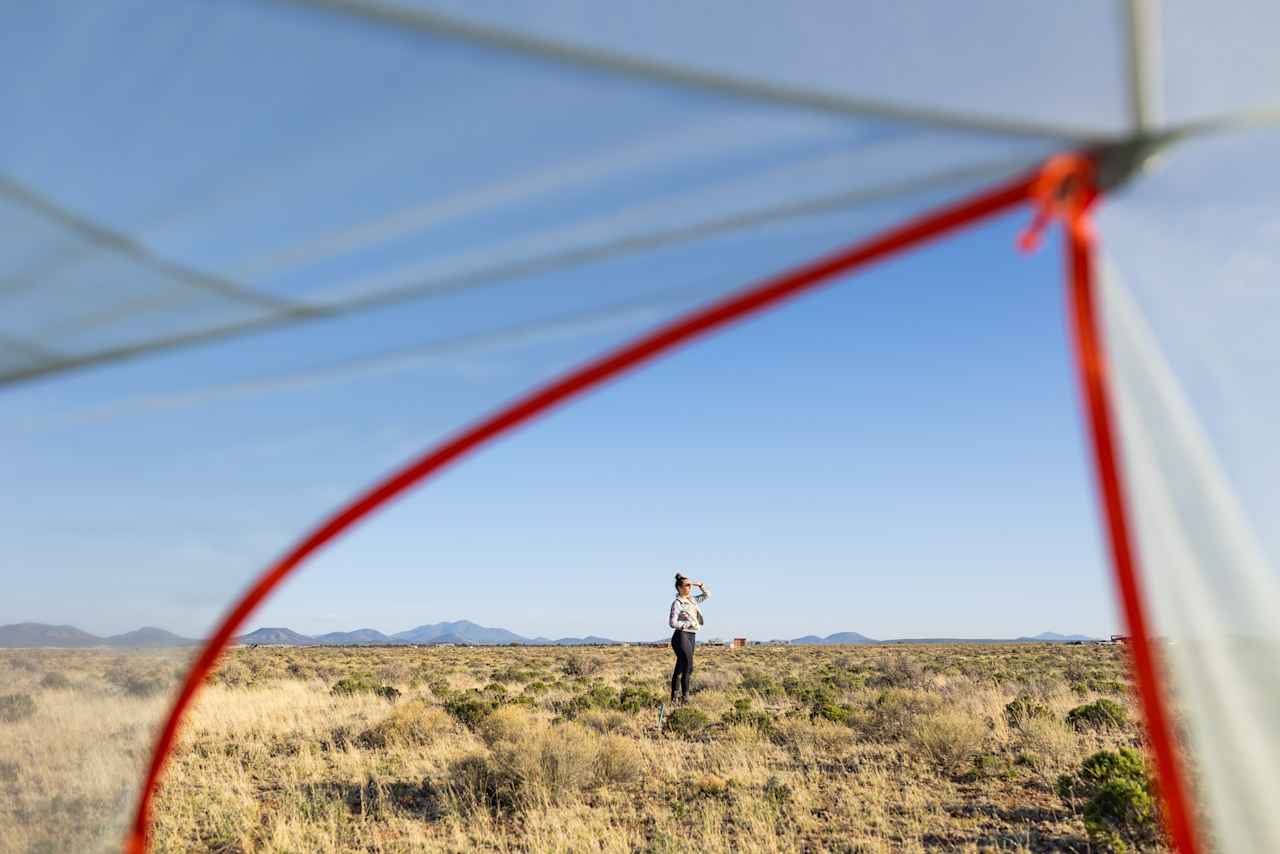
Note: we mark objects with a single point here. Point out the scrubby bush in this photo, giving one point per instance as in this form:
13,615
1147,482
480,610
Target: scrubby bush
948,739
138,684
1118,797
711,786
413,724
55,681
537,766
566,758
754,682
892,715
603,721
743,714
1099,715
619,761
1023,709
818,737
601,696
840,713
580,665
899,672
633,698
364,683
512,674
16,707
508,723
477,783
356,683
469,709
776,792
686,722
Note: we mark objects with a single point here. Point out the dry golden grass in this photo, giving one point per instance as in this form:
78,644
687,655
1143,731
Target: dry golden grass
550,749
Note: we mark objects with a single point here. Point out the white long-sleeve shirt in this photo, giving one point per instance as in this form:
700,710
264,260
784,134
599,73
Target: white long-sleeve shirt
684,611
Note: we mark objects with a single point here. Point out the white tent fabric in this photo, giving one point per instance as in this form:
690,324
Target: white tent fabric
422,185
376,166
1191,306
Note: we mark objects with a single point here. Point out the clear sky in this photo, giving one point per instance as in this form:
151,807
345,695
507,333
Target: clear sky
899,454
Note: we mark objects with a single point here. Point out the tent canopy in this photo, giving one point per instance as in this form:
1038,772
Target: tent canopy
423,183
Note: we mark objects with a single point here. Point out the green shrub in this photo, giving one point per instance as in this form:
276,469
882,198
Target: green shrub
795,687
686,722
601,697
754,682
512,674
742,713
1118,797
16,707
579,665
840,713
633,698
1024,709
356,683
469,709
1098,715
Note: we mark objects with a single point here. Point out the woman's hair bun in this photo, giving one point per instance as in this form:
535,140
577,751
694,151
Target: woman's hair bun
680,577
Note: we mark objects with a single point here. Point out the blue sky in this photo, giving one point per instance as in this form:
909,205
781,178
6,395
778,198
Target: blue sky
899,454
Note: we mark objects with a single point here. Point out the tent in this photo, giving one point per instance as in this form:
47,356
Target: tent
326,168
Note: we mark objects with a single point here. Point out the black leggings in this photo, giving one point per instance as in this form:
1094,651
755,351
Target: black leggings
682,642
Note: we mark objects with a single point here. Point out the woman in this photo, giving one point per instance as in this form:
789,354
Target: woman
685,619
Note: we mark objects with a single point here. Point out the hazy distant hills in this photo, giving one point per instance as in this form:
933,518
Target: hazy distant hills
455,632
149,637
458,632
838,637
41,634
462,631
286,637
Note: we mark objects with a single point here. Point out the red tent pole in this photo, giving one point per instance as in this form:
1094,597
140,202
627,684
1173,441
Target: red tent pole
1091,368
754,299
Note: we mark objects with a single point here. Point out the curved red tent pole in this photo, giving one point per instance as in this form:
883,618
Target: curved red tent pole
754,299
1074,206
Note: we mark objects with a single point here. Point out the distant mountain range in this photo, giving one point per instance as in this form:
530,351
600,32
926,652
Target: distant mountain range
838,637
456,632
41,634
